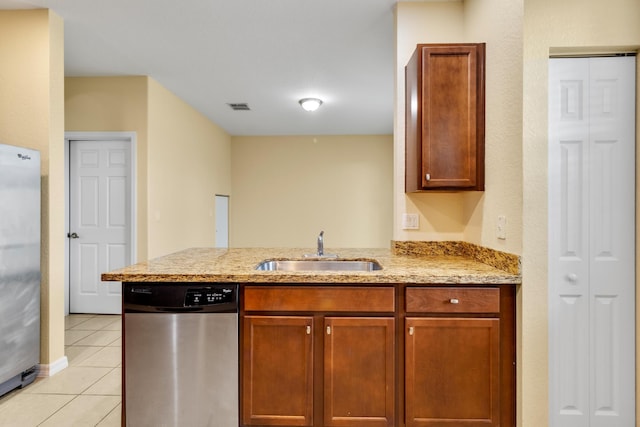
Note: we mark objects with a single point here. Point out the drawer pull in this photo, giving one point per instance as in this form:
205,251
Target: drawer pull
410,330
308,330
454,300
328,330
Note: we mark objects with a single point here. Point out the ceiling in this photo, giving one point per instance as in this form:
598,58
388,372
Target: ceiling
266,53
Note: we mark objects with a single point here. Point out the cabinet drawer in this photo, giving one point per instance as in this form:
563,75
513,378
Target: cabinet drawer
319,298
453,300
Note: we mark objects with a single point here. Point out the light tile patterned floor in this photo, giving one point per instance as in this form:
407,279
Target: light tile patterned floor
87,393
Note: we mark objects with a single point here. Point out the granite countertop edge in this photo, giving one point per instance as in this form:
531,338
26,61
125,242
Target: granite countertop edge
442,263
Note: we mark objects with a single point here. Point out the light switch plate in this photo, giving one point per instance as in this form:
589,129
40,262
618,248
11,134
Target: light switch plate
410,221
501,227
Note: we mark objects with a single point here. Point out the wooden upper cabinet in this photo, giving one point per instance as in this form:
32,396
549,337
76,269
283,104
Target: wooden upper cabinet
445,117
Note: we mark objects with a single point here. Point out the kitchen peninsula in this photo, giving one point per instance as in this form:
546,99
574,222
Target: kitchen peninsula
429,338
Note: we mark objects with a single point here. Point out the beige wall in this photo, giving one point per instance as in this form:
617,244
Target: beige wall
573,25
287,189
520,37
115,104
499,24
469,216
32,115
182,158
442,215
189,162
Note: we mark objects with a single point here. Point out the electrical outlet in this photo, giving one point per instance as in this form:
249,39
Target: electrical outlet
410,221
501,227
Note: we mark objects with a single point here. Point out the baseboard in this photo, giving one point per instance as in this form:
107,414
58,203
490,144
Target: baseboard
51,369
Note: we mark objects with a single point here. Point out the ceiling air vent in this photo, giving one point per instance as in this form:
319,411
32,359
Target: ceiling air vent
240,106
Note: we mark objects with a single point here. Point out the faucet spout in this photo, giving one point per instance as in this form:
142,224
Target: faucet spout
321,244
320,251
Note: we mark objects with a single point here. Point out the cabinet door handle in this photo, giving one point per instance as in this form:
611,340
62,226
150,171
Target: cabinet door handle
410,330
454,300
427,177
328,330
308,330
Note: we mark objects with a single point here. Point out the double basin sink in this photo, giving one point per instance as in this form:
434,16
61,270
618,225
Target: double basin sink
319,265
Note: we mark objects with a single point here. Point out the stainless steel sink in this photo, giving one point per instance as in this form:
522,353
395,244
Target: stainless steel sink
318,265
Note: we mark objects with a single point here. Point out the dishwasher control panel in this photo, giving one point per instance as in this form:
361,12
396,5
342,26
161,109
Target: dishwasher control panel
180,297
207,296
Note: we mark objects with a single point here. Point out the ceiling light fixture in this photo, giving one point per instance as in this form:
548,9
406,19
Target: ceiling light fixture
310,104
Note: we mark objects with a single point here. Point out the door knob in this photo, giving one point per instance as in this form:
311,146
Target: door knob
72,235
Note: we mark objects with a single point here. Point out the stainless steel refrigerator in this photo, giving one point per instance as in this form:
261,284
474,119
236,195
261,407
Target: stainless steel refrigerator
19,266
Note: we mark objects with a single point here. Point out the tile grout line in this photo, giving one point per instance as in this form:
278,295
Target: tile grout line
108,414
59,409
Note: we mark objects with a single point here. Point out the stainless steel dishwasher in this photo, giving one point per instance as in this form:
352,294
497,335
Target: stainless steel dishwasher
180,354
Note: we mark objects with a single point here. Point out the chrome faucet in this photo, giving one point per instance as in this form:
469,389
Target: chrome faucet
320,252
321,244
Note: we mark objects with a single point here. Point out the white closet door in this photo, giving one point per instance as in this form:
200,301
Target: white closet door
592,242
568,243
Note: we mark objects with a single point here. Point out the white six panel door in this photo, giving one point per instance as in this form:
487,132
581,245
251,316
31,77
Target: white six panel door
592,242
99,197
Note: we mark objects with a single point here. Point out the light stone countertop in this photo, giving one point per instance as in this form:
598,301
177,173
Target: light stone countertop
238,266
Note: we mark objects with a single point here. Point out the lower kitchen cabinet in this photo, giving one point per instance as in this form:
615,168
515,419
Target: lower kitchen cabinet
459,356
277,371
452,372
336,356
357,364
326,358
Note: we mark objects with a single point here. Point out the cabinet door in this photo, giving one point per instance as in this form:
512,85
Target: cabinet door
445,117
277,371
359,371
452,372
